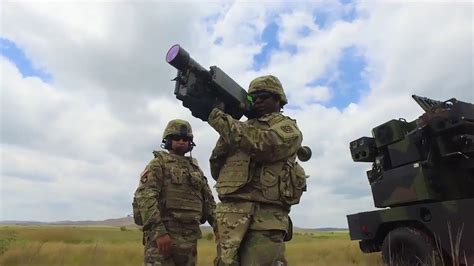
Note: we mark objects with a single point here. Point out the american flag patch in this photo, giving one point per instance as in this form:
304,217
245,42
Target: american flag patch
144,172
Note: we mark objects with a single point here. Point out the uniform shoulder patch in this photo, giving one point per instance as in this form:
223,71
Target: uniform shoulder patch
286,129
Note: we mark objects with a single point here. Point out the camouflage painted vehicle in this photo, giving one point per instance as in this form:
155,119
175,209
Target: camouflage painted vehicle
423,175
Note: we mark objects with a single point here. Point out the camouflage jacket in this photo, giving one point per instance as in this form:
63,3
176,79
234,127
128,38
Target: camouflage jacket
250,158
173,189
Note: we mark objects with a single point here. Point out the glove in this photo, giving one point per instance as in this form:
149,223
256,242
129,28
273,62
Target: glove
200,107
164,244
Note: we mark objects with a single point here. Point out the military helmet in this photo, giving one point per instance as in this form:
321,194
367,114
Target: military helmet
270,84
178,127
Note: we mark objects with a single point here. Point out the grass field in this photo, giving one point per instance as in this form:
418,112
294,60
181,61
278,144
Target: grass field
81,245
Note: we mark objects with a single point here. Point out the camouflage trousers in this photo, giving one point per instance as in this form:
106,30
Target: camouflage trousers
184,247
251,234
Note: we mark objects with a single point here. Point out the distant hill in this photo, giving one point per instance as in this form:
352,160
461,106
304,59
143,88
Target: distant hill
124,221
322,229
128,221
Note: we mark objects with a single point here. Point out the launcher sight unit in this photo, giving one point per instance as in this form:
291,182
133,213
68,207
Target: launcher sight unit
423,172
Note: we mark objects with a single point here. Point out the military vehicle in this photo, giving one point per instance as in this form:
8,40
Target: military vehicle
423,176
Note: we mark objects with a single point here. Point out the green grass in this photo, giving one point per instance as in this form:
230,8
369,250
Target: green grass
81,245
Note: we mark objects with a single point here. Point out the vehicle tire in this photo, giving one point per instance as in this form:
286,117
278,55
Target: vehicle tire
409,246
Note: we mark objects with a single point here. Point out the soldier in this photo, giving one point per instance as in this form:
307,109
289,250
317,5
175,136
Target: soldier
257,176
172,200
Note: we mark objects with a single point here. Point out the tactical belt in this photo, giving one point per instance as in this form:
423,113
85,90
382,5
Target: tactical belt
257,203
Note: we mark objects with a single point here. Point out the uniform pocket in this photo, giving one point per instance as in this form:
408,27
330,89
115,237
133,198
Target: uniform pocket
178,175
299,179
137,216
295,184
233,222
270,183
234,173
196,180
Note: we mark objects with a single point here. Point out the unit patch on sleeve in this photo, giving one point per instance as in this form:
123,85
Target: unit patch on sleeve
287,129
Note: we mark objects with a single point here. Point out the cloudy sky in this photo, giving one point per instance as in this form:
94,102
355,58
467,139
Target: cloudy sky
86,91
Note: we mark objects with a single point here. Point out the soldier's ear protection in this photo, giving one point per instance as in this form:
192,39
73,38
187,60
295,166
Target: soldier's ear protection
191,145
166,143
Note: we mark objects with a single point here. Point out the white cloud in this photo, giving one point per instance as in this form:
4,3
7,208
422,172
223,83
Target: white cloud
294,25
308,95
72,149
428,51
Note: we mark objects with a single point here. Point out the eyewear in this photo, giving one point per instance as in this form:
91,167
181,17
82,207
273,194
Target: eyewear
262,95
178,138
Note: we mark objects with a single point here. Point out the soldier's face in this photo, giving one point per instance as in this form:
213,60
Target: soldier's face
265,103
179,144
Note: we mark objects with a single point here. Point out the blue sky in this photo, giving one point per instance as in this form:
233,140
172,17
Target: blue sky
346,80
12,52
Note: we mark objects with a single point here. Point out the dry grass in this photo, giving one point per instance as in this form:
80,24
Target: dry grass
59,253
49,245
328,251
457,255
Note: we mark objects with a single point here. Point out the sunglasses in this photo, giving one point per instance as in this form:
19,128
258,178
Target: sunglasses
178,138
261,95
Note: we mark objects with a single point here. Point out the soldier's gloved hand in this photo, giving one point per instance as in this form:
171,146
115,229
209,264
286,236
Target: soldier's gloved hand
200,107
164,244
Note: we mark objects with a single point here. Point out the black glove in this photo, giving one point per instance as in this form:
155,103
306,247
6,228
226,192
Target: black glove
200,107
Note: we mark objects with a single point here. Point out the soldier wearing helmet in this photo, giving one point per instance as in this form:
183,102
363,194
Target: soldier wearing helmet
172,200
257,178
178,130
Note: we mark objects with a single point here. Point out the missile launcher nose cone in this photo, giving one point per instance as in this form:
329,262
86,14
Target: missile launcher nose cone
172,53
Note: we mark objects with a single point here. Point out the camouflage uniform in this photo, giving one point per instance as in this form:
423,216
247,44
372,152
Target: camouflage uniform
257,181
173,198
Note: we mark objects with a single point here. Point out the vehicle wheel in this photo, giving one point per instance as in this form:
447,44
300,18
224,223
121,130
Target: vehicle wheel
409,246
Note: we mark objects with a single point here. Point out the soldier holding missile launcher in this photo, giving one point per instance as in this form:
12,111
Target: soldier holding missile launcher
253,162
